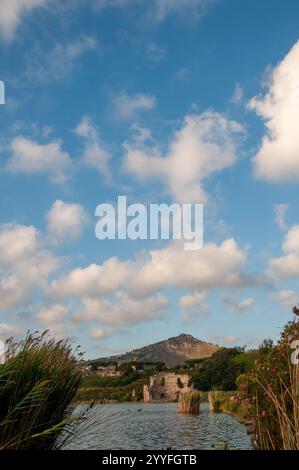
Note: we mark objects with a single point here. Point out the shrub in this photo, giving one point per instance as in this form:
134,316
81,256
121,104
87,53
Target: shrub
180,383
272,389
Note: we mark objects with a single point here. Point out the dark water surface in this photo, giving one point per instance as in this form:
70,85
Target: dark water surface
159,426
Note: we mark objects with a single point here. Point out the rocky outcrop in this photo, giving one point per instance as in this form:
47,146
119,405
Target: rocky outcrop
165,386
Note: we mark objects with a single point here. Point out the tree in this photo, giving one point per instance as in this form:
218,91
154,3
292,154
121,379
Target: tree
218,372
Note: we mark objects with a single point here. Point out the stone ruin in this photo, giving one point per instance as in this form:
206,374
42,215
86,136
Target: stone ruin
165,386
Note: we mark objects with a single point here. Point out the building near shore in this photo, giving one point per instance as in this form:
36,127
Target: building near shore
165,386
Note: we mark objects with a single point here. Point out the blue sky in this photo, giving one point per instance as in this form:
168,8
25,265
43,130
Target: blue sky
161,101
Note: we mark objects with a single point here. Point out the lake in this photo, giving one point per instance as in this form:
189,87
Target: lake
133,426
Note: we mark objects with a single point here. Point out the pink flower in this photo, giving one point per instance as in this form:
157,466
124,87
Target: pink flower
264,414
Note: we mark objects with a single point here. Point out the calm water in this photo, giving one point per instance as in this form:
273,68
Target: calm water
159,426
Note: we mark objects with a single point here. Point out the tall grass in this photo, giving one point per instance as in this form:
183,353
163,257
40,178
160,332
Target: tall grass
285,405
38,382
189,402
216,400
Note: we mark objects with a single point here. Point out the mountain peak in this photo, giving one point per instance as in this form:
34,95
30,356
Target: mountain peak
172,351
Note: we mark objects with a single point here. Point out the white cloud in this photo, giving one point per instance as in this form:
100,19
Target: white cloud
92,281
291,242
7,331
65,221
29,157
12,12
278,157
192,305
101,333
117,293
17,242
288,298
212,267
94,154
280,216
191,299
12,292
51,319
287,266
126,107
24,265
59,62
54,314
204,145
125,310
235,305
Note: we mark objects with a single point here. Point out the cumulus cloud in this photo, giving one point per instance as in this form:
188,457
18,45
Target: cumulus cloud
12,292
205,145
29,157
192,305
92,281
214,266
51,318
126,107
94,153
17,242
7,331
235,305
101,333
288,298
65,220
210,267
191,299
291,242
124,310
24,265
117,293
278,156
54,314
280,216
12,12
287,266
59,62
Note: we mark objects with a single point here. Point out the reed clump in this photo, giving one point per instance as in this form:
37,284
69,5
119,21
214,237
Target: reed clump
38,381
189,402
216,400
